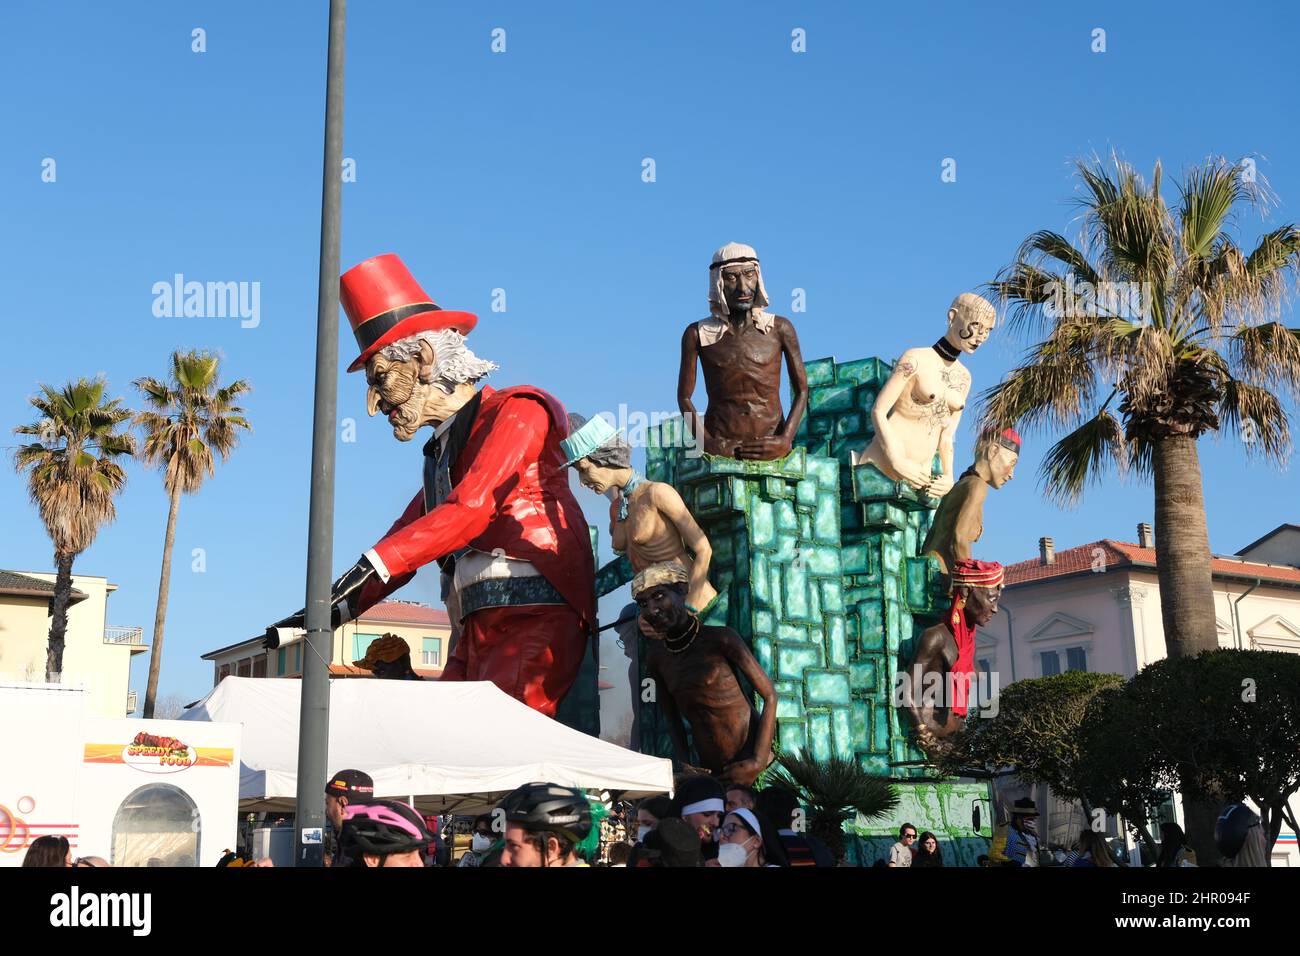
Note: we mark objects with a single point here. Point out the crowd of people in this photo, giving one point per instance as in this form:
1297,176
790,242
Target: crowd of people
705,824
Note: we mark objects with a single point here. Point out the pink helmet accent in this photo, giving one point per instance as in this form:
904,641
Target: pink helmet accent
378,813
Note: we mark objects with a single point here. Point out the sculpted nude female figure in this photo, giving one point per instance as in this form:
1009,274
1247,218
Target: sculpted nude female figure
917,412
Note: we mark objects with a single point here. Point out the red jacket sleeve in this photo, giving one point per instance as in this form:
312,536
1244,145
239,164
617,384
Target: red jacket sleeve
517,437
377,588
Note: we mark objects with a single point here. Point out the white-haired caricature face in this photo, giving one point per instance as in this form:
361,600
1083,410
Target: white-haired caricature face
423,379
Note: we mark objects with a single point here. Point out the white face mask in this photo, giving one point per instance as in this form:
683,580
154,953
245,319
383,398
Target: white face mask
480,843
641,833
733,854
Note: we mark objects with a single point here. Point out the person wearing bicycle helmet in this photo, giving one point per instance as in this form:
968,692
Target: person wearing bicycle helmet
1239,836
545,822
384,833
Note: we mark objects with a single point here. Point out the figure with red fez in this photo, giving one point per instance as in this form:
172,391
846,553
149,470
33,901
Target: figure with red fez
959,521
494,508
935,688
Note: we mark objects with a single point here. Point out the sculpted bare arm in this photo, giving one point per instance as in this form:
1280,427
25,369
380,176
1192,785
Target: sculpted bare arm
746,771
671,506
686,383
798,378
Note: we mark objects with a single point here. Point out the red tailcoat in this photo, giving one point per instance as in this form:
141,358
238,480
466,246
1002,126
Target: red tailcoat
510,491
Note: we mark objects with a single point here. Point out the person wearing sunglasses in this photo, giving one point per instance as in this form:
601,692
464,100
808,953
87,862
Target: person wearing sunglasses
481,842
741,842
900,854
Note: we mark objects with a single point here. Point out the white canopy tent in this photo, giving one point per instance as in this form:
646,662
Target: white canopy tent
456,747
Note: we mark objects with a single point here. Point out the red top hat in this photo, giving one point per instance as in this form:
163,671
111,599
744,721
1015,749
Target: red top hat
384,303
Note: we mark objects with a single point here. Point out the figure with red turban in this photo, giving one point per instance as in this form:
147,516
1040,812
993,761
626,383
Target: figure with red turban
494,510
935,688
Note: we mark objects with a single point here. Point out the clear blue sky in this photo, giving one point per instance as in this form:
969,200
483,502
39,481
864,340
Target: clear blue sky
522,171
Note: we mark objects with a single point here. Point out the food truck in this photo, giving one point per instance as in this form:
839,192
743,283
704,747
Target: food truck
135,792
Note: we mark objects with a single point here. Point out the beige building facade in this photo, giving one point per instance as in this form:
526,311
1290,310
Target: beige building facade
96,655
426,630
1096,607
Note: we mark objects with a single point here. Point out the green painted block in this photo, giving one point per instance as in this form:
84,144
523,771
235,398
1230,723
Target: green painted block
837,650
805,527
883,516
787,707
862,675
825,523
788,688
778,601
762,525
860,723
792,633
841,732
827,687
796,595
849,425
793,659
793,736
819,735
759,579
832,594
805,493
777,488
762,648
826,471
822,560
785,516
854,559
868,371
764,623
820,372
880,731
787,549
876,764
820,424
831,398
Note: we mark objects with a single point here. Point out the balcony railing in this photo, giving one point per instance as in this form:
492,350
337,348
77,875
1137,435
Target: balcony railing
124,635
130,702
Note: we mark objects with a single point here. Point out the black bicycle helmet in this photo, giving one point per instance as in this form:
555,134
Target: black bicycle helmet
382,827
1230,829
551,807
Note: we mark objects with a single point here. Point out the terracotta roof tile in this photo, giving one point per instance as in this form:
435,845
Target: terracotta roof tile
405,612
1122,554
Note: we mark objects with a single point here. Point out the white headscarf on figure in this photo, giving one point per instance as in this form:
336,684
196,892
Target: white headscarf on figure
715,327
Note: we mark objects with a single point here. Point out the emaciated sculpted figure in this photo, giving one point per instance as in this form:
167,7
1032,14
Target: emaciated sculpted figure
959,521
695,671
935,689
648,521
917,412
740,346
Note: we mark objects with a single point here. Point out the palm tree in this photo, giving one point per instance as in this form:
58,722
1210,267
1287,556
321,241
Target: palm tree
72,478
189,421
834,789
1202,349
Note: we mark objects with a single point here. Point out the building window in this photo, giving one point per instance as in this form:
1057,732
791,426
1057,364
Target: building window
431,655
245,667
297,657
1076,659
223,672
259,666
279,662
1051,663
359,644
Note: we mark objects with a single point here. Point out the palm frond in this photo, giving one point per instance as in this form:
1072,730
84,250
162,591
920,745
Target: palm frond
836,787
1257,417
1079,458
1267,354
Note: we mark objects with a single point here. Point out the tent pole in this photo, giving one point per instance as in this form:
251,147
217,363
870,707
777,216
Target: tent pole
313,724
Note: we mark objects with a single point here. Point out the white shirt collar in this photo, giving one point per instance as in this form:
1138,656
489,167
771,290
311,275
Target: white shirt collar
715,327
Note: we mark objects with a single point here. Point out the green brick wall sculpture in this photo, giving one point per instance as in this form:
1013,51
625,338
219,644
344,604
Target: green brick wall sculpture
775,531
815,560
